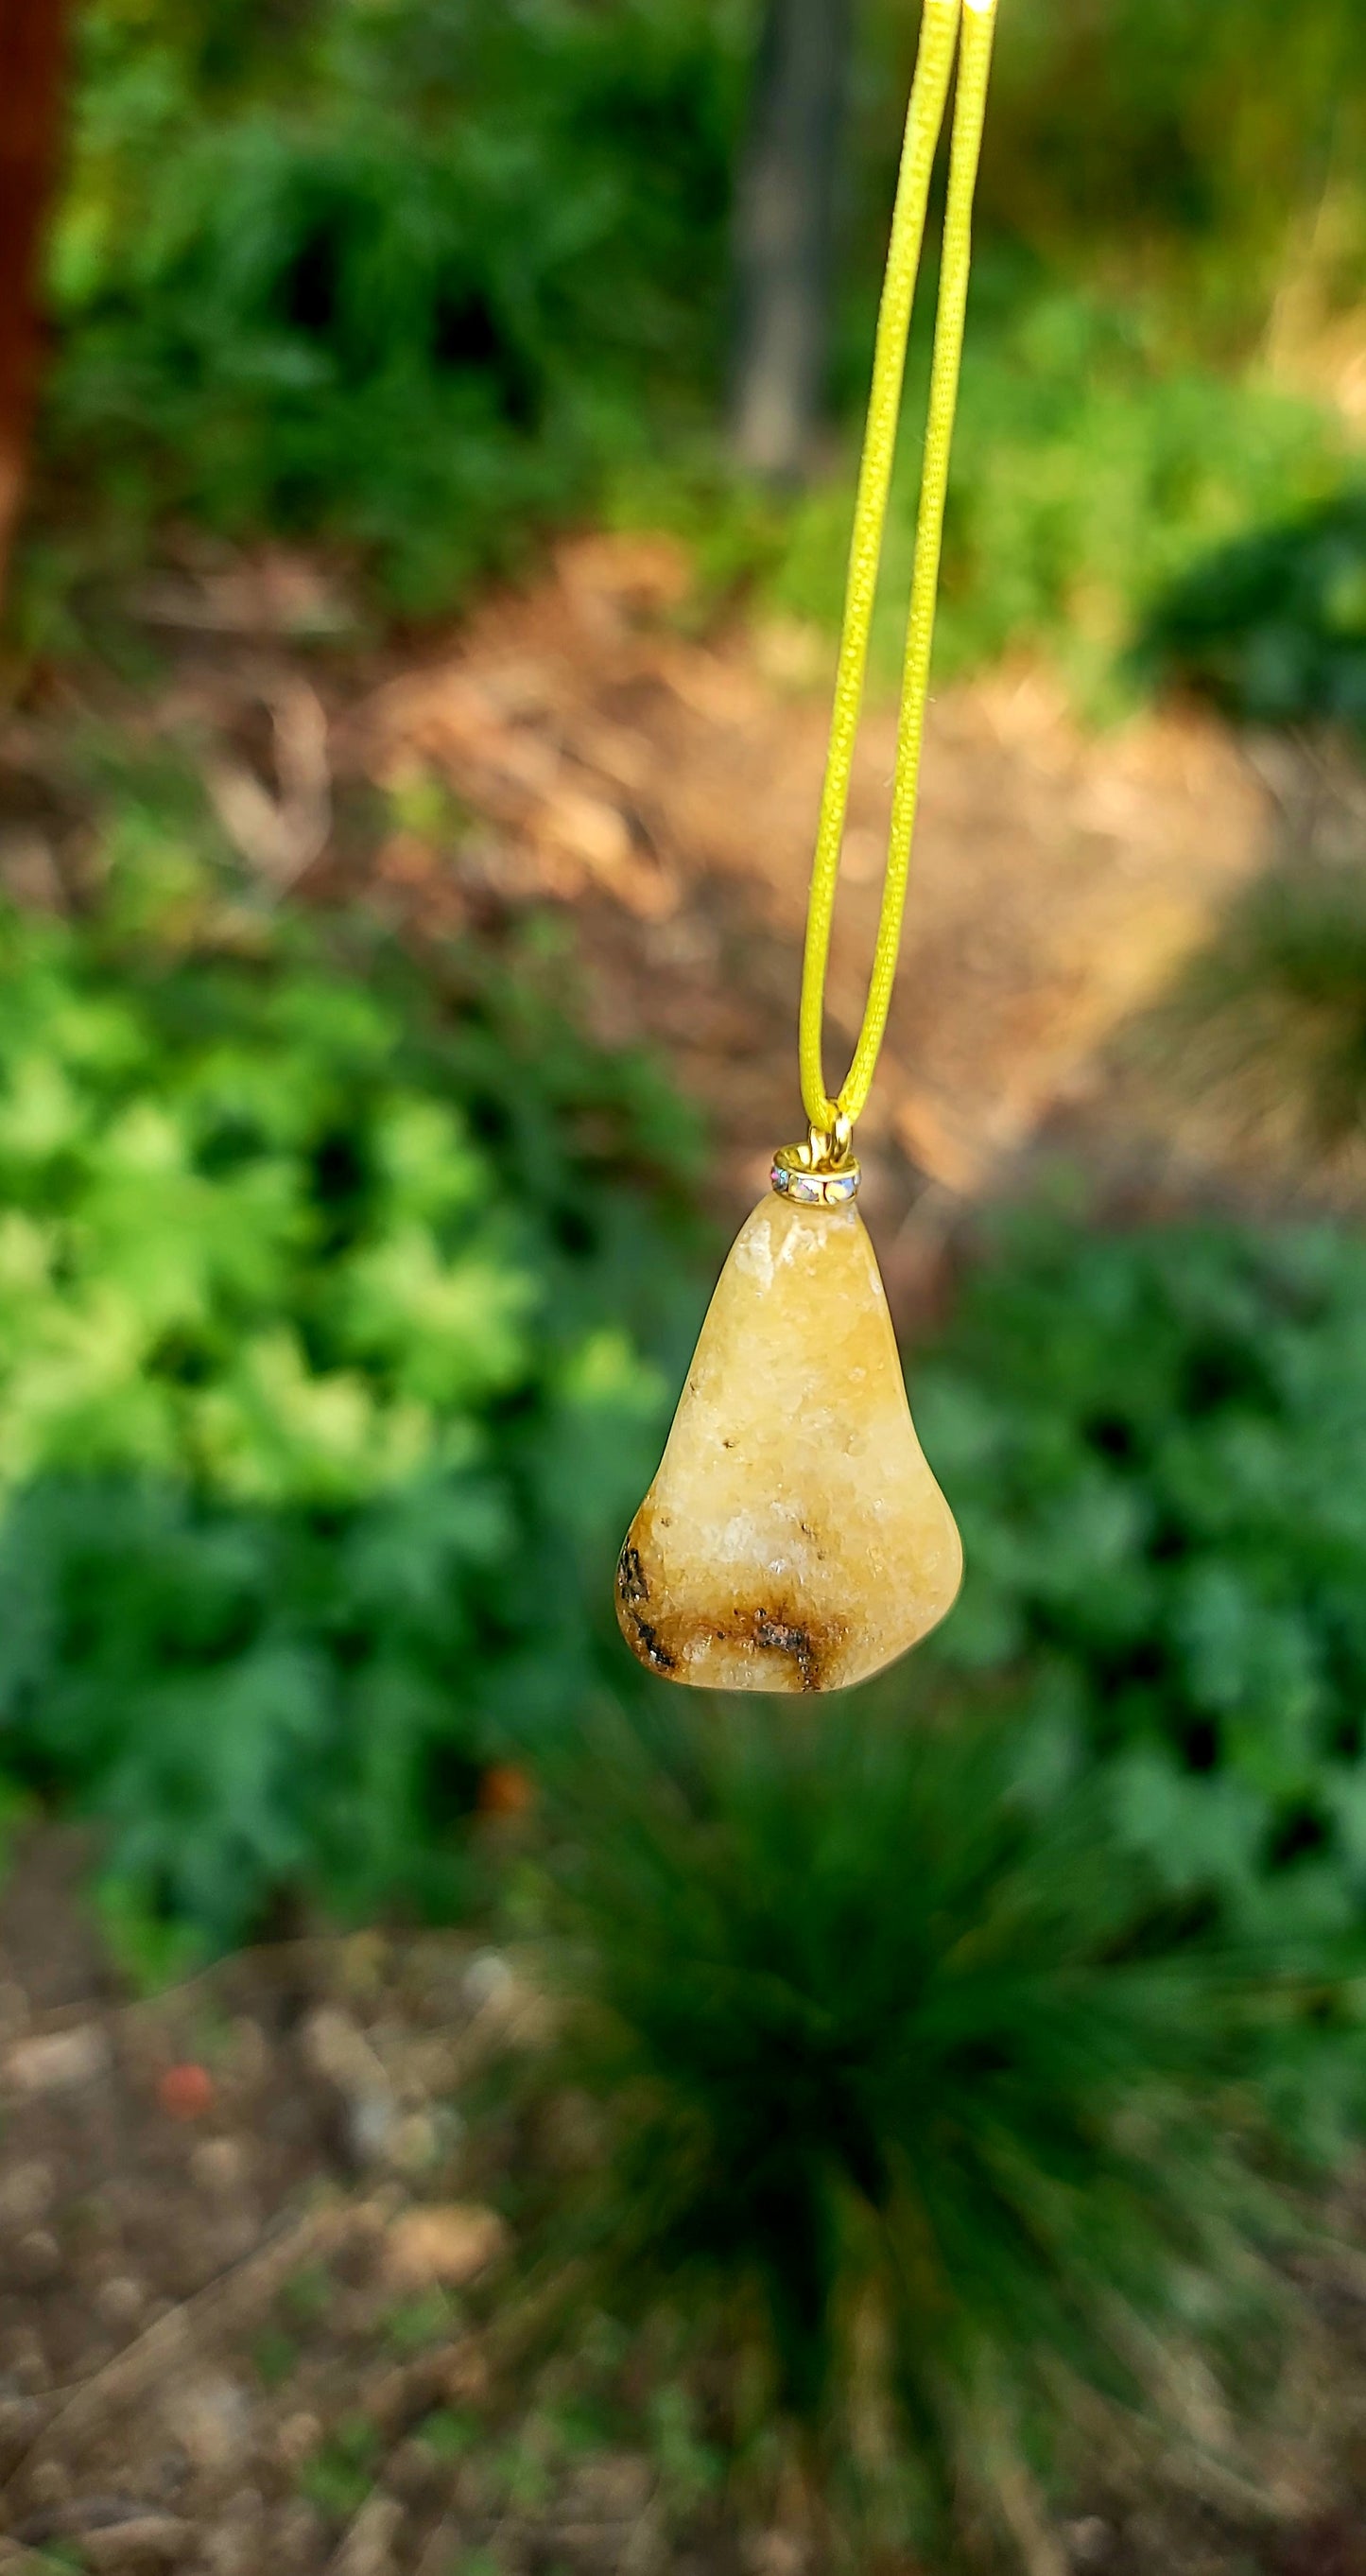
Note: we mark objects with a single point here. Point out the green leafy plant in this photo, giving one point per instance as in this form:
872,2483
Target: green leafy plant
1156,1445
327,1286
914,2082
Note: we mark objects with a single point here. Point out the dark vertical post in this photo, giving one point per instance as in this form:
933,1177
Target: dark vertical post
784,233
32,55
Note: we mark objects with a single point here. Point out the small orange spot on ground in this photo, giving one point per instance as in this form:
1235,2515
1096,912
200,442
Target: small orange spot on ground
185,2092
505,1789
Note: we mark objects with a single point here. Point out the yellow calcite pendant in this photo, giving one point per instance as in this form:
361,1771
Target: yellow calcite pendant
794,1538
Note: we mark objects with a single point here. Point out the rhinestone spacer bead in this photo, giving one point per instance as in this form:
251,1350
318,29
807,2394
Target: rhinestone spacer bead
800,1172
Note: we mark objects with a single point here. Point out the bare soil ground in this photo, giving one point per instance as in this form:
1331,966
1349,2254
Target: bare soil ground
255,2312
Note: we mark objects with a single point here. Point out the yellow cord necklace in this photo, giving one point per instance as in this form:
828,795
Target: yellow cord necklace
939,30
794,1538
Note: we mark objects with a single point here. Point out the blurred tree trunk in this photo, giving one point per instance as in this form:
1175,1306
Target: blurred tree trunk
784,232
31,62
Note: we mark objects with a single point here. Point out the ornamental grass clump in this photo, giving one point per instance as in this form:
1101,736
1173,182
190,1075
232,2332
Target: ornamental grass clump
912,2086
1263,1040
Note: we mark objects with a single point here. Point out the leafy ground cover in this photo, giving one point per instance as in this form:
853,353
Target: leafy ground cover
329,1292
1155,1439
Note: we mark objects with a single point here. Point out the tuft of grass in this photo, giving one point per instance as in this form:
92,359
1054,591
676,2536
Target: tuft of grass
1267,1029
275,2357
915,2087
339,2478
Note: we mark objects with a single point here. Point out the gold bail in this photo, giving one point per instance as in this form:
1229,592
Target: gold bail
821,1172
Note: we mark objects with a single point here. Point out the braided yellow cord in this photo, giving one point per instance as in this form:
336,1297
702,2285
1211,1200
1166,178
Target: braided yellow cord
939,29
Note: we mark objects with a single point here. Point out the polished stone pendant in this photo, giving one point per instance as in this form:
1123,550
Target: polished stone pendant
794,1538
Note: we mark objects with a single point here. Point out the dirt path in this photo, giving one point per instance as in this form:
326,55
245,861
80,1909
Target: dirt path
666,789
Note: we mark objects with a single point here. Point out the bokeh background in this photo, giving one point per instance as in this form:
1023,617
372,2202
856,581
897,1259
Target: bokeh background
466,2109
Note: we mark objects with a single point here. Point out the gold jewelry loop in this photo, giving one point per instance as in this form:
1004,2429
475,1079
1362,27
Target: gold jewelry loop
838,1141
821,1171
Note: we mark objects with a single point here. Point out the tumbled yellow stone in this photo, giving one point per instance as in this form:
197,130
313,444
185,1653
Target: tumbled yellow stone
794,1538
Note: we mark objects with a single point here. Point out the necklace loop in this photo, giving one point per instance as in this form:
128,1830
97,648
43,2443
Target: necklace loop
821,1171
830,1146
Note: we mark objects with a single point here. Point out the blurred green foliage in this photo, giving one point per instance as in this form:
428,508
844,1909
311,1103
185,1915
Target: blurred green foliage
415,276
399,274
326,1288
1156,1445
1093,466
917,2087
1216,152
1273,627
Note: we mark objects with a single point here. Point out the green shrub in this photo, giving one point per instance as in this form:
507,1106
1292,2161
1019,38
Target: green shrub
1156,1444
393,275
1219,149
1273,627
1093,464
417,278
913,2084
326,1284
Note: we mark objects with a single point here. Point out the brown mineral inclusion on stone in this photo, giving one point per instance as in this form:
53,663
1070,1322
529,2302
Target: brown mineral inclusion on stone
794,1538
